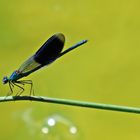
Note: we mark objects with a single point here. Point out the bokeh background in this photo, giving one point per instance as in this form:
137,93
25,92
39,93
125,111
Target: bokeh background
104,70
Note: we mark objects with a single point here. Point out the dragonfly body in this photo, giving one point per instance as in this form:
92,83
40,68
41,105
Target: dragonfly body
48,53
15,76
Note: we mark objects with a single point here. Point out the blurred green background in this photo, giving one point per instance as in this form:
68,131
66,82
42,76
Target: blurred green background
105,70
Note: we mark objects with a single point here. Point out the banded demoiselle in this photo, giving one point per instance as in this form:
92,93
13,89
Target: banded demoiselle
50,51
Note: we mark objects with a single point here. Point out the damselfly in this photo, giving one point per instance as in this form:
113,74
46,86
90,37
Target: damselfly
48,53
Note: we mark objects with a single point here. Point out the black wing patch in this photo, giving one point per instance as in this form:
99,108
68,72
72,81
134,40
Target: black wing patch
50,50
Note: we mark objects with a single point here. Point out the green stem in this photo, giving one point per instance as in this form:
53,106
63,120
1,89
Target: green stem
72,103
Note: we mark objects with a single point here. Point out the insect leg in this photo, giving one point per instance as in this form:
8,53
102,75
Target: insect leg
21,89
11,86
28,82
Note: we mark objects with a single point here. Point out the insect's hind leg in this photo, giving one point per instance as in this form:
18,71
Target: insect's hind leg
30,83
21,88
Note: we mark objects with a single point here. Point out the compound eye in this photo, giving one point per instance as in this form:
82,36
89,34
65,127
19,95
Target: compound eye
5,80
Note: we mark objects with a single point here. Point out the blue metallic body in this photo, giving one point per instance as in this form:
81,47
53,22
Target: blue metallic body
15,76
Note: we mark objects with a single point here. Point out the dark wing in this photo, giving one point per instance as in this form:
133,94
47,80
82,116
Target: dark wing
50,50
48,53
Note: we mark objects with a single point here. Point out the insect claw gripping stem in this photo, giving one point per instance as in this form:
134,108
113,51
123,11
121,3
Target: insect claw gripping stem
11,89
11,85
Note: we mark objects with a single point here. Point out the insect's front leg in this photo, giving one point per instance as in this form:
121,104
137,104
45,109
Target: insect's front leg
11,86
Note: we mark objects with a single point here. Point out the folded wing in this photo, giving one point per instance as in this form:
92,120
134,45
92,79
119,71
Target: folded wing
48,53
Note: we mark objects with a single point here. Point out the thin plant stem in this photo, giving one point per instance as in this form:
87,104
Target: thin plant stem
72,103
